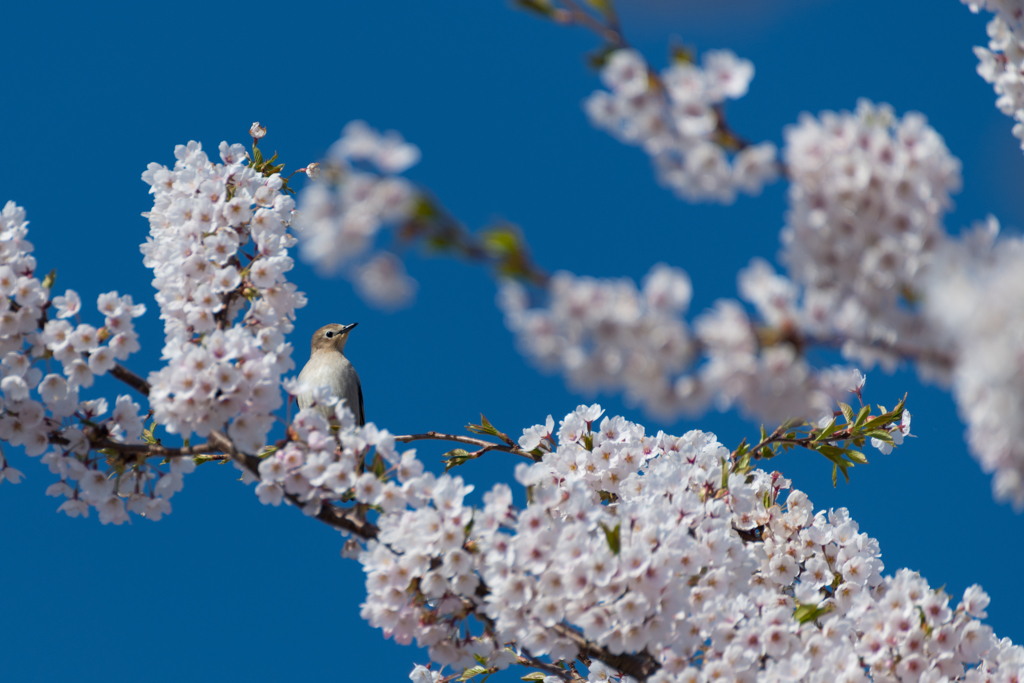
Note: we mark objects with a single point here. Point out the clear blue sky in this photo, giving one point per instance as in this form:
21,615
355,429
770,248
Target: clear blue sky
226,589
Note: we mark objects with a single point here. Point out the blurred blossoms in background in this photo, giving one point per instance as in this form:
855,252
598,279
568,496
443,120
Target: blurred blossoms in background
677,119
356,193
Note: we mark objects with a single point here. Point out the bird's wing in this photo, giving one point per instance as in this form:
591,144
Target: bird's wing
362,414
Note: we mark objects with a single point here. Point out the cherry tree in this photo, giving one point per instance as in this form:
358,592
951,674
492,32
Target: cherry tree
639,554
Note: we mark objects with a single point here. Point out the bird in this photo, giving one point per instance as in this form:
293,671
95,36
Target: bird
328,367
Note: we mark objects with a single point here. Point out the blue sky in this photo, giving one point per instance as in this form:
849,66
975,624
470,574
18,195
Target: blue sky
226,589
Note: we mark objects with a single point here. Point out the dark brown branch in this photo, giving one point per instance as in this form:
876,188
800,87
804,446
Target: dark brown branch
156,450
130,378
639,666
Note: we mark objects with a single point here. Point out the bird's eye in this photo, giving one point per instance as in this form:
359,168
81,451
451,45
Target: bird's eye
328,334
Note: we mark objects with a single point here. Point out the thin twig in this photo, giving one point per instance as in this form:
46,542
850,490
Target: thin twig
483,444
606,32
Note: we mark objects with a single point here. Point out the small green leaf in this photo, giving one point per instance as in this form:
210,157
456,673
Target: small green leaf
880,434
861,416
484,427
378,467
50,278
827,431
472,671
535,676
806,613
847,412
613,536
454,458
856,456
725,474
834,482
598,58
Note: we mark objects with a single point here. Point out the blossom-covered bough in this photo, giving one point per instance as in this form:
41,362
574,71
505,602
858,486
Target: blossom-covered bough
636,555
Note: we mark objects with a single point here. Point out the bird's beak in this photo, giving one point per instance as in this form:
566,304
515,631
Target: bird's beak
348,328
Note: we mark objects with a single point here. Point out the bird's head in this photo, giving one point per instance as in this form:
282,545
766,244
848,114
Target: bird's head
331,337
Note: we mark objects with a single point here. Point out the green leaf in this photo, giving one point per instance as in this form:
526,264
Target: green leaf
725,474
613,536
501,240
847,412
861,416
834,482
535,676
764,434
742,465
806,613
880,434
454,458
484,427
50,278
598,58
480,660
472,671
601,6
829,429
147,434
856,456
680,54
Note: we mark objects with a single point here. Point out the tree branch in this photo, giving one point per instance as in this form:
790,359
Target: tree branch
130,378
639,666
482,443
152,450
609,32
351,519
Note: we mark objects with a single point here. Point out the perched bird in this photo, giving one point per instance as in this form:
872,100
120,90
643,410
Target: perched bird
328,367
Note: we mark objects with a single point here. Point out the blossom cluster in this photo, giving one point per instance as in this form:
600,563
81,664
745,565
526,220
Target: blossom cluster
357,193
865,214
40,410
1002,64
605,334
667,549
677,119
320,464
204,217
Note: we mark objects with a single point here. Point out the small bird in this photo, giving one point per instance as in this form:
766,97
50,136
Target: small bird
328,367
